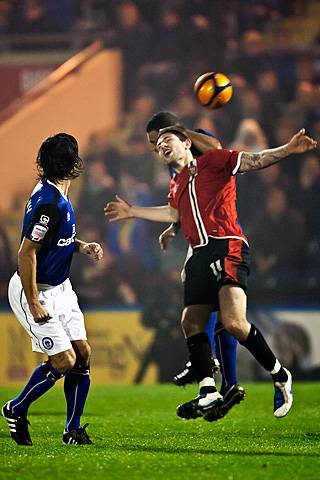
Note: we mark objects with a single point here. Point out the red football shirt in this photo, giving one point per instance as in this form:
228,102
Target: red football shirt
204,193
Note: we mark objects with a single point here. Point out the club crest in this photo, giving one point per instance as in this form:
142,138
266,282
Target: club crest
193,169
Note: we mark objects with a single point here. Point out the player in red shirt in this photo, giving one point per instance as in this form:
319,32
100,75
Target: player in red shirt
223,345
203,198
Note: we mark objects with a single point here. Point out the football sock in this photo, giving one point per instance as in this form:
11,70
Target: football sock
76,388
226,351
261,351
42,379
278,373
200,355
209,329
207,385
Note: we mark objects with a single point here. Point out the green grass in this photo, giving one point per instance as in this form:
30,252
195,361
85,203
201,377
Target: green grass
138,436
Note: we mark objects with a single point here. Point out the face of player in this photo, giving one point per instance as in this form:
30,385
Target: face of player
173,151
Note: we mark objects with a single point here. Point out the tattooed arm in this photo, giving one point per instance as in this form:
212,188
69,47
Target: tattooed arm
299,143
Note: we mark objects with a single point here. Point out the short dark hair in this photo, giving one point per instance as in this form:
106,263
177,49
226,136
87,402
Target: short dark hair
182,136
58,158
161,120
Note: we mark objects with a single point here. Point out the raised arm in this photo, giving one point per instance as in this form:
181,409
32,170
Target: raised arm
121,210
299,143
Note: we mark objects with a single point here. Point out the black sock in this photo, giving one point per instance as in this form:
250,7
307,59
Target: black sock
200,355
207,389
259,348
280,376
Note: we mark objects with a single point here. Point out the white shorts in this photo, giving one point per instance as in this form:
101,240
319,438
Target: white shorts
66,324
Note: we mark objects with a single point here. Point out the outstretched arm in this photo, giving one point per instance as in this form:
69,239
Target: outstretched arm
299,143
121,210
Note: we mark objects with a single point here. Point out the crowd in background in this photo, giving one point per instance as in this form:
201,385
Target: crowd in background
165,46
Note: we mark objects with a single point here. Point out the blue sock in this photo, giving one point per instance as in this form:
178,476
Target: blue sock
226,350
209,329
76,388
42,379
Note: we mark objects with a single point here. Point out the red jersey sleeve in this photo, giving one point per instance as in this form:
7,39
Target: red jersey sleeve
222,159
172,194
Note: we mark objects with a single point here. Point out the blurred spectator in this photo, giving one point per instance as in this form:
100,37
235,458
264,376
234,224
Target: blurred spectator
253,57
308,200
109,282
6,9
131,35
130,240
31,17
308,194
272,99
249,136
167,348
303,104
98,186
277,239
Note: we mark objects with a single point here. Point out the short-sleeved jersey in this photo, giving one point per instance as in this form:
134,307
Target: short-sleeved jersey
49,220
204,193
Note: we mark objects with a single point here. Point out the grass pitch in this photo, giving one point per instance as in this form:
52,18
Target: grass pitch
138,436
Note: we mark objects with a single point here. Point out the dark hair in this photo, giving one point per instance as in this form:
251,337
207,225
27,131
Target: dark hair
58,158
161,120
182,136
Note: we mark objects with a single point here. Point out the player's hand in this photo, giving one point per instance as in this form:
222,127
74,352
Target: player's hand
118,210
301,143
39,312
166,237
93,249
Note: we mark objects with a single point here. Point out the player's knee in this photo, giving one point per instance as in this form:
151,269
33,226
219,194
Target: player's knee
189,326
64,361
237,328
85,353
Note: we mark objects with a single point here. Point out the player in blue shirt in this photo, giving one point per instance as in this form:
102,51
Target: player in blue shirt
41,295
222,343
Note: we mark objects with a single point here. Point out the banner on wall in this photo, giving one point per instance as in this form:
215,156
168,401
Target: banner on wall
119,344
294,336
124,351
15,80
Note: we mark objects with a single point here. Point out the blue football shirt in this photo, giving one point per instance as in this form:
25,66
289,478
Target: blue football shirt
49,221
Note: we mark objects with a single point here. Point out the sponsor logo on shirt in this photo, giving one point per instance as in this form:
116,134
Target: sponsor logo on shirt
38,233
64,242
68,216
44,220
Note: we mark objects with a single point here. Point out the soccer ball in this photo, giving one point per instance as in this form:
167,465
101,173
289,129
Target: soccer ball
213,90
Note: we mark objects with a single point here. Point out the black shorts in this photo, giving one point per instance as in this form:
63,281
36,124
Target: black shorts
221,262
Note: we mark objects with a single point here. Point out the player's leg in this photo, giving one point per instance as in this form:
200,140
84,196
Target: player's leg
226,351
194,319
77,381
49,338
76,388
200,299
42,379
233,304
187,375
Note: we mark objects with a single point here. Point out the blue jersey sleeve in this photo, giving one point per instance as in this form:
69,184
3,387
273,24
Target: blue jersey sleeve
43,223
